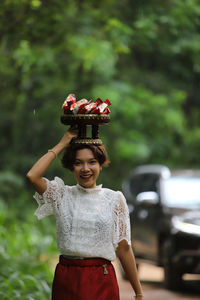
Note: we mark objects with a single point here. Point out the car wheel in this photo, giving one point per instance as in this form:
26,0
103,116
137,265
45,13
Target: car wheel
172,275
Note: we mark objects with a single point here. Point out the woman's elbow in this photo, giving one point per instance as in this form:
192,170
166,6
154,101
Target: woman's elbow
122,248
30,177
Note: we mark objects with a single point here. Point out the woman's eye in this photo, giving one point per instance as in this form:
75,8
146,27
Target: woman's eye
77,163
93,162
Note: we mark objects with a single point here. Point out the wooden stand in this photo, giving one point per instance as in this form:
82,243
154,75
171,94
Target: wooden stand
83,121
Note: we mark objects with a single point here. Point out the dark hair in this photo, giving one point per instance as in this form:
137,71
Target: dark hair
69,155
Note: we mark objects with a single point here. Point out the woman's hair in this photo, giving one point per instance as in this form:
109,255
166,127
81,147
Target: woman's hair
69,155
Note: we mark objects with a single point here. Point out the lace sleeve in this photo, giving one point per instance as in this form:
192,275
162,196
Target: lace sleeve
121,221
49,200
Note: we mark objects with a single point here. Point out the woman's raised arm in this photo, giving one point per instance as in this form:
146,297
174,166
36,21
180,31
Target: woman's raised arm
35,174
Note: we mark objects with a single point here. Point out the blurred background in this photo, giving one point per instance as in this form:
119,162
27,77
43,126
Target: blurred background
142,55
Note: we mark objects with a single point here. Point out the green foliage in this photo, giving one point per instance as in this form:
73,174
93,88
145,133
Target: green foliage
10,185
142,55
24,242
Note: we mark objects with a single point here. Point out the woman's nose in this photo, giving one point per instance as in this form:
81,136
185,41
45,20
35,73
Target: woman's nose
85,167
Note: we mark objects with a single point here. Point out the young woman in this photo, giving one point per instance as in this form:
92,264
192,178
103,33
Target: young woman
92,224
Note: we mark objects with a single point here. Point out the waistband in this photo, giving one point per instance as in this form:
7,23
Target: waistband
88,262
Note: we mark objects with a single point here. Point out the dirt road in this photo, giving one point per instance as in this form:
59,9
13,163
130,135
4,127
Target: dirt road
151,279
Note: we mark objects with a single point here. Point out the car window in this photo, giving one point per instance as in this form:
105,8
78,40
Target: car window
150,183
144,183
182,192
136,185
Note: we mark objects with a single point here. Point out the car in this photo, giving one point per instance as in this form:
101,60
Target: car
164,209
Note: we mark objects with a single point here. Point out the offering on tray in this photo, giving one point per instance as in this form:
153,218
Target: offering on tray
76,106
71,99
102,108
83,106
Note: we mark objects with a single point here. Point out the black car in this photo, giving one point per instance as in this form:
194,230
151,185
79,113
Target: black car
164,211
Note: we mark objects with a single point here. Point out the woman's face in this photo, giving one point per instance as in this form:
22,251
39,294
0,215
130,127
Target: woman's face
86,168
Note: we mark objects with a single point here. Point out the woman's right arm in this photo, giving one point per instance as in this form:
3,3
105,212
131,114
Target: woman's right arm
35,174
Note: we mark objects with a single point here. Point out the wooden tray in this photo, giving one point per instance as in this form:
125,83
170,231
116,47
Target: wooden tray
83,120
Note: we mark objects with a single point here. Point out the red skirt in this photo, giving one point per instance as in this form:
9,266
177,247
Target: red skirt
85,279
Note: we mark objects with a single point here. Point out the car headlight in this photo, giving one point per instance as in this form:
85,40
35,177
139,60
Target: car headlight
180,225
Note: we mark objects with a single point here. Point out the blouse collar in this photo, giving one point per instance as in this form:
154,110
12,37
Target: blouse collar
88,190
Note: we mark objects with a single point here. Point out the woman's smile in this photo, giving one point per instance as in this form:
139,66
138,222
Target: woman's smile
85,176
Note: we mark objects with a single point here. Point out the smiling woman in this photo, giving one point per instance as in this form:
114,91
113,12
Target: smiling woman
92,224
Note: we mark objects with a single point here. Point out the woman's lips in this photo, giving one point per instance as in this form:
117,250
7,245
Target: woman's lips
88,176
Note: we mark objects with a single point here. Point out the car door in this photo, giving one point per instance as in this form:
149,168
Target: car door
146,215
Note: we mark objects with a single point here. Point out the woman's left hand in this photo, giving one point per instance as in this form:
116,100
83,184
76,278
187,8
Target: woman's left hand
71,133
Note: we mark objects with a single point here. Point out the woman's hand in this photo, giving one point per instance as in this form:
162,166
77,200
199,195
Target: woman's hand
71,133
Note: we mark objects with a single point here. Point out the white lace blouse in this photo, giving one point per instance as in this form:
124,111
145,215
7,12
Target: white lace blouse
89,222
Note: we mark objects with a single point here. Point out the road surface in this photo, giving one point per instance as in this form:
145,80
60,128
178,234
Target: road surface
151,278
